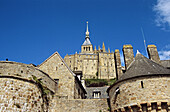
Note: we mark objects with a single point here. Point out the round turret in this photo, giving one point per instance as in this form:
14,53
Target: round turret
24,88
145,86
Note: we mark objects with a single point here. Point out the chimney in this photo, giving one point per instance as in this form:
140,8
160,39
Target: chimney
128,55
118,64
153,53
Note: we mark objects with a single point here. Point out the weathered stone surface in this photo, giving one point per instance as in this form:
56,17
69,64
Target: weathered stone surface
153,53
128,55
79,105
68,86
18,95
27,72
155,89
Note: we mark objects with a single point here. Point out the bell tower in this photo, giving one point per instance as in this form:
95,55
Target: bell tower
87,47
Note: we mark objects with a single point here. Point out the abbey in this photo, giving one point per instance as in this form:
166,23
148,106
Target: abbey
55,85
91,62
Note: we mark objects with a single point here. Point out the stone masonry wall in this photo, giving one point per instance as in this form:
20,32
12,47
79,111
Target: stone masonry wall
57,69
24,88
18,95
90,64
134,93
78,92
27,72
79,105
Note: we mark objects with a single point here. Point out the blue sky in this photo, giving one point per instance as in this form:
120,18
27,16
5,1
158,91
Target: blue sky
32,30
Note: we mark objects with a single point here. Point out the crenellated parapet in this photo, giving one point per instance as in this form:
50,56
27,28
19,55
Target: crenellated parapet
158,106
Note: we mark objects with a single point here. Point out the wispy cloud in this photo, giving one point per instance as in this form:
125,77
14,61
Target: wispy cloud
164,54
162,9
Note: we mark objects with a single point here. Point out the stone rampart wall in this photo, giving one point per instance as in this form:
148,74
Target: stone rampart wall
139,92
79,105
28,72
17,95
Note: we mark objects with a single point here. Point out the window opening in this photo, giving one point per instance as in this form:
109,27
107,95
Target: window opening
142,84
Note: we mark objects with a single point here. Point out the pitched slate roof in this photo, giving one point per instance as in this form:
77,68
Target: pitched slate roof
87,42
165,63
142,66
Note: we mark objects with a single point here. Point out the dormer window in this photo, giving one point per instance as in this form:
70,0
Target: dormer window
96,94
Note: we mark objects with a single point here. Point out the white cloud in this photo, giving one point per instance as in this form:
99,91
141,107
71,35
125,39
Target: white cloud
164,54
162,9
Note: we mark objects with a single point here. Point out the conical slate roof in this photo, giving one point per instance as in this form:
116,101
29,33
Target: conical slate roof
142,66
87,42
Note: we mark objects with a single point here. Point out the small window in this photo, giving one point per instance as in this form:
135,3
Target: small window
96,94
142,84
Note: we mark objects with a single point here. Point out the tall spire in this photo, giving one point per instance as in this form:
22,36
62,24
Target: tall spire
87,31
87,39
109,50
103,47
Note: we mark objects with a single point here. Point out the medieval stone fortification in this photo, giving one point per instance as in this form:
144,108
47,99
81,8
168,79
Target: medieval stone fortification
55,85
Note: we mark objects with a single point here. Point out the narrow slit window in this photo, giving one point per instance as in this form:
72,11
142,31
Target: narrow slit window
142,84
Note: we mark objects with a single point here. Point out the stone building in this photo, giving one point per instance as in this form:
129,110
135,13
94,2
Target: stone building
24,88
69,86
144,87
91,62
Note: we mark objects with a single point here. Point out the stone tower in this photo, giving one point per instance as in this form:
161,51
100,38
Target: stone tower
118,64
92,63
87,47
128,55
144,87
153,53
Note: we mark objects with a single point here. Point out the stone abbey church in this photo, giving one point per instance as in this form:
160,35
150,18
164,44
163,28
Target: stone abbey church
56,85
92,62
